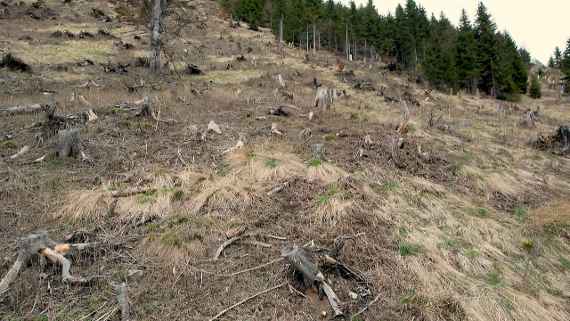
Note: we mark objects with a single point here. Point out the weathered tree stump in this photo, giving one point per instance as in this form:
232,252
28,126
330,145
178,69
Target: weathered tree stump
69,144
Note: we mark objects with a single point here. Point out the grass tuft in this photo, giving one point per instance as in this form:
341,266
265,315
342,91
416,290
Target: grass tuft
408,249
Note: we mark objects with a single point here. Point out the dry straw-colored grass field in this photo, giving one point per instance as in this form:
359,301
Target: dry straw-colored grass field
454,216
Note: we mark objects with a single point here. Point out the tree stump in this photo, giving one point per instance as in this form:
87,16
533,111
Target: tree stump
69,144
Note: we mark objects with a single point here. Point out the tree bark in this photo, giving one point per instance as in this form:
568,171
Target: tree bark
155,36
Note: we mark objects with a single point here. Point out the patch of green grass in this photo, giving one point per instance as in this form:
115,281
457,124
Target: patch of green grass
408,249
409,297
53,162
223,169
478,211
494,279
527,245
147,197
325,198
8,144
556,229
390,186
471,253
171,239
315,162
329,137
565,263
177,196
450,244
403,232
520,213
272,163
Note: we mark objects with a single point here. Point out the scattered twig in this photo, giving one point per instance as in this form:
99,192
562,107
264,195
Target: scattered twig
280,238
365,308
254,268
257,243
247,299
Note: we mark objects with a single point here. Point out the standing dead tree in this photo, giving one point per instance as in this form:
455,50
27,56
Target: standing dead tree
155,36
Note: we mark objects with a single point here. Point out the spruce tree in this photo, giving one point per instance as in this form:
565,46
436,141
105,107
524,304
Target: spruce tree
466,55
440,67
487,51
551,63
557,57
564,63
535,90
525,55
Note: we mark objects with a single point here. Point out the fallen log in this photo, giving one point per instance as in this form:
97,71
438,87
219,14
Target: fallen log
23,109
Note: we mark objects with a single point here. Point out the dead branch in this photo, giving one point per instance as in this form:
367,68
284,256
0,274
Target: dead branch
21,152
226,244
13,272
257,243
334,301
217,316
366,307
261,266
118,194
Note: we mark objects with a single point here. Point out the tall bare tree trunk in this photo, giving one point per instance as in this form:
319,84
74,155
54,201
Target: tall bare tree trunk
281,33
314,38
307,38
347,43
155,36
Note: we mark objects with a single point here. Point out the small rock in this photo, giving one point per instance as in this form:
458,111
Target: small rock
212,126
353,295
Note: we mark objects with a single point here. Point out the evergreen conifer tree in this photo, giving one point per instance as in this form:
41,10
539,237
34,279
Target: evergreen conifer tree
535,90
466,55
487,53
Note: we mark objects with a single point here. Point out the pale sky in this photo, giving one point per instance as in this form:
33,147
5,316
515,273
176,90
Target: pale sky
537,25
